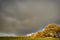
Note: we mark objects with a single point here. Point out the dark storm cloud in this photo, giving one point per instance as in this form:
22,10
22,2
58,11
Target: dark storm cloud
22,17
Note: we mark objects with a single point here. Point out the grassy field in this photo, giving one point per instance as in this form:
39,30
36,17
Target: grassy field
19,38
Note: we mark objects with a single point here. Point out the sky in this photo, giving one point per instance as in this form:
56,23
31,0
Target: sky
26,16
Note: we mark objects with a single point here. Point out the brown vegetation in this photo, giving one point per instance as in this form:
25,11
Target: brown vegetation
52,30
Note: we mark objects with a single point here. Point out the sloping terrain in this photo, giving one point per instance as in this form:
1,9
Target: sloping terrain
51,30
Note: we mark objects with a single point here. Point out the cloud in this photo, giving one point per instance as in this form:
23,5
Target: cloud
26,16
29,34
7,34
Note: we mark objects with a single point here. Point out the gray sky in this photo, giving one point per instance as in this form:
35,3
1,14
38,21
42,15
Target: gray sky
22,17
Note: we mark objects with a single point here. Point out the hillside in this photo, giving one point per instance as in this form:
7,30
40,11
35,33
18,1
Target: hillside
51,30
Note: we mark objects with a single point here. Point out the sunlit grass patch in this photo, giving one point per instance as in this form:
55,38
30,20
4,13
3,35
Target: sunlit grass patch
19,38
